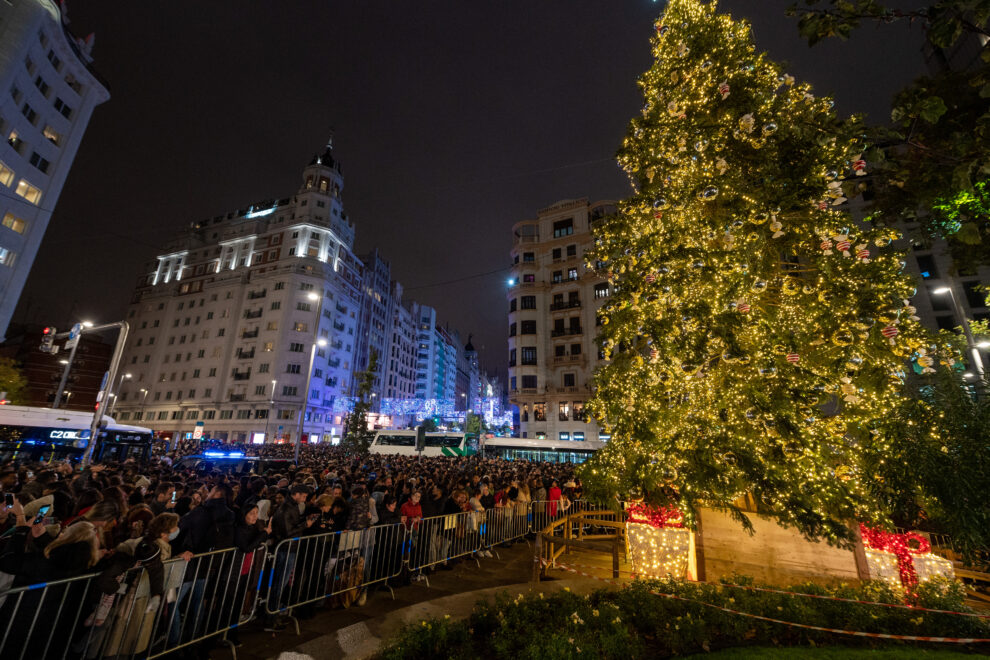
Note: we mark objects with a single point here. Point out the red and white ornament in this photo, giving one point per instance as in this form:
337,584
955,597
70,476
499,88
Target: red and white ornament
826,246
658,214
863,253
743,307
793,358
654,353
859,165
842,244
890,331
651,278
823,205
723,89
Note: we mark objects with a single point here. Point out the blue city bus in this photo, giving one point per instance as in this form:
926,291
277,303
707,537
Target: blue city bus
44,434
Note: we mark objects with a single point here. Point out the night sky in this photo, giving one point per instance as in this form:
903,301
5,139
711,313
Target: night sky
453,120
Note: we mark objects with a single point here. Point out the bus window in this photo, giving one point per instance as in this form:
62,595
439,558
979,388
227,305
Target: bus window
397,440
443,440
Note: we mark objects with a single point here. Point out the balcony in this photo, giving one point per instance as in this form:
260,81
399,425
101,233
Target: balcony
254,295
244,355
236,397
570,304
564,280
241,375
339,327
333,363
256,314
249,334
568,359
570,389
567,332
337,344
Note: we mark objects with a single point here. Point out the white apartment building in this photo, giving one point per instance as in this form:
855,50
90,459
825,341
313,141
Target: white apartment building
225,324
48,90
399,365
553,304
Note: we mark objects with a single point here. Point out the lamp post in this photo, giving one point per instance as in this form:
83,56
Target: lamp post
271,409
321,342
68,364
970,340
313,297
116,393
144,396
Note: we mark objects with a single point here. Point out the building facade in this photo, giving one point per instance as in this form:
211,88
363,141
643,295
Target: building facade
249,322
553,303
48,90
43,371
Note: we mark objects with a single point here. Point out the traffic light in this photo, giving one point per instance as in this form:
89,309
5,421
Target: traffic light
48,339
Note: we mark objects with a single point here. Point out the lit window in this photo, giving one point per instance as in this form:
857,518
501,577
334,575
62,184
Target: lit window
28,192
6,257
52,135
10,221
6,175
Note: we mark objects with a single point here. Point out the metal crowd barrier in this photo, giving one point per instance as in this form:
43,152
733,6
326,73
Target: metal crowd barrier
307,569
441,538
218,591
202,598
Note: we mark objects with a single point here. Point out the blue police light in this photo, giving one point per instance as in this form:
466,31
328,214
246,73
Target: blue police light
223,454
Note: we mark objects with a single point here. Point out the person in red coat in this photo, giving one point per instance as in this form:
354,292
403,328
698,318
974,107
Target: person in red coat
553,498
412,512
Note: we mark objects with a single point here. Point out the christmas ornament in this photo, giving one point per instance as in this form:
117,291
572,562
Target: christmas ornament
723,89
863,253
747,123
793,358
890,331
859,165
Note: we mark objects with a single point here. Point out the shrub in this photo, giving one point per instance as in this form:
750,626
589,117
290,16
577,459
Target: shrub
635,622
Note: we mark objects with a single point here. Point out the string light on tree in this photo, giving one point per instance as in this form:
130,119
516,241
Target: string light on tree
741,287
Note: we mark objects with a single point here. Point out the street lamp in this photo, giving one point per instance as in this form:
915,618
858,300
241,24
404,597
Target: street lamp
321,342
271,408
116,394
87,324
974,348
144,396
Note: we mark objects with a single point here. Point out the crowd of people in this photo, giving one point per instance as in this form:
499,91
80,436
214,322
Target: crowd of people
60,521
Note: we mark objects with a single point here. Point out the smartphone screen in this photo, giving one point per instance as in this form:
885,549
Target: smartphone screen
42,512
173,497
8,499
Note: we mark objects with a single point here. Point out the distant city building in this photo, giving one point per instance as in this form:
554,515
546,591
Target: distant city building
48,90
229,316
43,371
469,377
400,363
553,303
236,313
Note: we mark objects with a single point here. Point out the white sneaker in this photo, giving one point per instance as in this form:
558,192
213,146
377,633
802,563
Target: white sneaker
488,553
363,598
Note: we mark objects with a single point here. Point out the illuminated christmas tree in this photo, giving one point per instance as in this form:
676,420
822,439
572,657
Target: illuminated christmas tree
755,332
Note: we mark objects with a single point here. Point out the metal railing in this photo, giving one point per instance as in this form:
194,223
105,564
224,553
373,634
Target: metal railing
100,615
97,615
308,569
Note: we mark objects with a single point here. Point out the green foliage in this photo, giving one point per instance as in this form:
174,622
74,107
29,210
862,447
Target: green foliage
357,436
935,161
429,425
474,424
937,481
635,623
741,343
12,381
